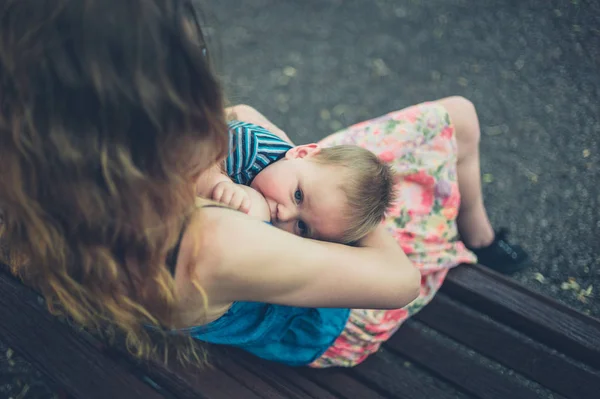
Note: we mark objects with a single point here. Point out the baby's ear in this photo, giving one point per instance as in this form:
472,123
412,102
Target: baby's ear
303,151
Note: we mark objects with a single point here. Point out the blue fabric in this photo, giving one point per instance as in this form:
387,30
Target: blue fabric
251,149
285,334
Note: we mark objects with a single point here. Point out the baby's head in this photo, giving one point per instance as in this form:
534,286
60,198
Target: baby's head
336,194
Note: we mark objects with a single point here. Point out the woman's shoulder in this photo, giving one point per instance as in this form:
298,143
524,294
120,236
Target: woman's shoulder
218,250
219,238
211,218
207,228
201,256
228,252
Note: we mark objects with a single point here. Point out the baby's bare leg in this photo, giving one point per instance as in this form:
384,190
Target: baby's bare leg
473,223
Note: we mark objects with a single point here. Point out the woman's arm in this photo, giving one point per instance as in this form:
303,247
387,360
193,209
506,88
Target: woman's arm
251,261
246,113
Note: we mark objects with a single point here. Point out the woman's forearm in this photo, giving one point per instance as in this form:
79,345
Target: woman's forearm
273,266
381,239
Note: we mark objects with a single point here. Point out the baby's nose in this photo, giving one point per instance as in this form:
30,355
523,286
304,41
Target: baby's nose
285,214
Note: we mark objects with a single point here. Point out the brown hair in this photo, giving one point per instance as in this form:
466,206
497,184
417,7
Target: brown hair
108,109
368,185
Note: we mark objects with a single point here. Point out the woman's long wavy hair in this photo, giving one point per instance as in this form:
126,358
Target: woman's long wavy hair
108,109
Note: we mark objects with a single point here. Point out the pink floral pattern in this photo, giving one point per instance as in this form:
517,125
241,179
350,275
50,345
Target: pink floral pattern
419,143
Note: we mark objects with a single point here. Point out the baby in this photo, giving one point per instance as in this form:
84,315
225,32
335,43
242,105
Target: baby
334,194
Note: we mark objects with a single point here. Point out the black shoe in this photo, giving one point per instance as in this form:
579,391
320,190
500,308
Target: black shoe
501,255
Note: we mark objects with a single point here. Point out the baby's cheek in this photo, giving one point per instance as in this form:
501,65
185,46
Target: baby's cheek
267,189
260,184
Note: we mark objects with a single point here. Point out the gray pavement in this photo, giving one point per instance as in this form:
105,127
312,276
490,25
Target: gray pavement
531,67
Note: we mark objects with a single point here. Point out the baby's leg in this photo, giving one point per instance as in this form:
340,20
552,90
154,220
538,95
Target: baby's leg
473,222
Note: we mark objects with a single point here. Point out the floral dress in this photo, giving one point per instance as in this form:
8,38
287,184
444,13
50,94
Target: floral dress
419,143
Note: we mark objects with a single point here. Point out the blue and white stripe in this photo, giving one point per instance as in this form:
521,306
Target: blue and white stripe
251,149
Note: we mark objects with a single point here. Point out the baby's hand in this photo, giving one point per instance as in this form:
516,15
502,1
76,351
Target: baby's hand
232,194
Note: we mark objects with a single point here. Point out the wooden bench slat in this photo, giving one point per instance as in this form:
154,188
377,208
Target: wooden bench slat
60,352
85,371
488,338
537,316
208,383
455,366
282,377
340,383
255,381
388,374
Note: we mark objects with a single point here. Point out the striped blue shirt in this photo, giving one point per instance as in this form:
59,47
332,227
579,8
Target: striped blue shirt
251,149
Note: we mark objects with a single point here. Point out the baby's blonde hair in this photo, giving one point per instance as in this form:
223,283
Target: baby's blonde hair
368,185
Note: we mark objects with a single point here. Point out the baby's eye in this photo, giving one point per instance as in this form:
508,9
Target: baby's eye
298,196
302,228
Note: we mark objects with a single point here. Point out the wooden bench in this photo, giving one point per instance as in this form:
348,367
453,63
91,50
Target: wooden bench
484,336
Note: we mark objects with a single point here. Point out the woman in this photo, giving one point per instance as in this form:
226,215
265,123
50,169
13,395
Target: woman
111,119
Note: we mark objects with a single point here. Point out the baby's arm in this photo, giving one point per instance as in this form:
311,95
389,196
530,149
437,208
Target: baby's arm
209,179
216,185
232,194
242,198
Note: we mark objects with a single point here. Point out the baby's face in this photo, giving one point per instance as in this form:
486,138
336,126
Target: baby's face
304,197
